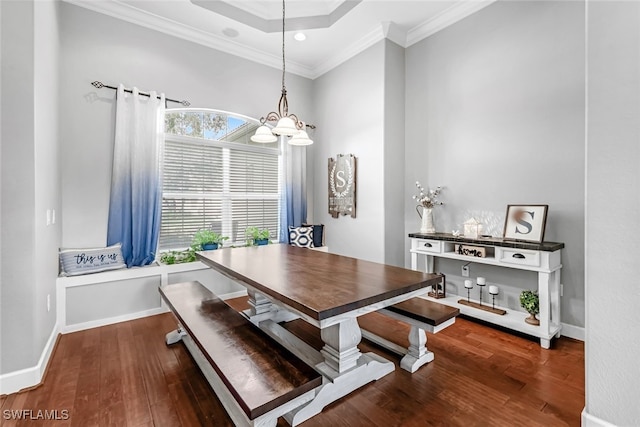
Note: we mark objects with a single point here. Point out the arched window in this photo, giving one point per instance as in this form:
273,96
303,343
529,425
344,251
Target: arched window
214,177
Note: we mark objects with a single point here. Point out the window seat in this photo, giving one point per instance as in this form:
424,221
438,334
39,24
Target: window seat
99,299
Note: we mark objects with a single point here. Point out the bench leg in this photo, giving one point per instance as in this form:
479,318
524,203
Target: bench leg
175,336
417,354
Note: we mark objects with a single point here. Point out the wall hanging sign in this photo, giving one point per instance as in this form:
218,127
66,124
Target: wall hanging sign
525,223
342,185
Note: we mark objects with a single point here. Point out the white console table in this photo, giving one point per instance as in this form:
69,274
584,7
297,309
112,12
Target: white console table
543,258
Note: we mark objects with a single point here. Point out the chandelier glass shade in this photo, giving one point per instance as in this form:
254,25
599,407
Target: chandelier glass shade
286,124
264,135
301,138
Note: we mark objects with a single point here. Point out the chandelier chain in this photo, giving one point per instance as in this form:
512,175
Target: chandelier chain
283,61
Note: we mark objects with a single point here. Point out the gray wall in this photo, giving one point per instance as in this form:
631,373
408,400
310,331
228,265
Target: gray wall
613,202
394,139
30,183
350,117
495,113
359,107
98,47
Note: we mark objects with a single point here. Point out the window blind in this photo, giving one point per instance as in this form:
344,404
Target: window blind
217,186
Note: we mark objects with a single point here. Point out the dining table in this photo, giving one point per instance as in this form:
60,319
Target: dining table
330,292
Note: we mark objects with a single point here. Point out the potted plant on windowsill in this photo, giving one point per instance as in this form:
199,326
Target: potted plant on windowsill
178,257
259,237
530,301
207,240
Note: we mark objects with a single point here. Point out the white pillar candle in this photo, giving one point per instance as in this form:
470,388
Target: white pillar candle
493,290
468,284
482,281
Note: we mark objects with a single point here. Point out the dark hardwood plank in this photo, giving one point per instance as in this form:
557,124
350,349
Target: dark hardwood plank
135,401
524,385
164,414
318,284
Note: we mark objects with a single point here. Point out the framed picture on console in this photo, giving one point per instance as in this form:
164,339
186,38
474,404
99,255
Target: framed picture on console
525,223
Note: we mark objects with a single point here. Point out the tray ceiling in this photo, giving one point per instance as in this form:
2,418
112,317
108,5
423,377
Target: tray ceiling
335,30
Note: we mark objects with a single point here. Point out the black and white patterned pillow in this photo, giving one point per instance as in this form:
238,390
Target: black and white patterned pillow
301,237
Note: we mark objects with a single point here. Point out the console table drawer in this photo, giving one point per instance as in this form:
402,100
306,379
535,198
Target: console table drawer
428,245
519,257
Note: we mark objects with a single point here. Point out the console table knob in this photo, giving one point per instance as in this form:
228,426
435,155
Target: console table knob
519,256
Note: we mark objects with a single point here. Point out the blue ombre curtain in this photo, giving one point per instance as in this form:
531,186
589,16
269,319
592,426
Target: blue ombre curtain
136,182
293,198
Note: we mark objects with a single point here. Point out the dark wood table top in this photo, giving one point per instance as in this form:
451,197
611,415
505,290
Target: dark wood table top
318,284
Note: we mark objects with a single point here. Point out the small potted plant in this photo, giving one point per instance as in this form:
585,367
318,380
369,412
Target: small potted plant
530,301
178,257
259,237
207,240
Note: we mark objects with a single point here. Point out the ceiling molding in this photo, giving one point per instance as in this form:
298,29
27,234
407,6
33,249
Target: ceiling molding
368,40
441,21
258,22
145,19
394,33
273,9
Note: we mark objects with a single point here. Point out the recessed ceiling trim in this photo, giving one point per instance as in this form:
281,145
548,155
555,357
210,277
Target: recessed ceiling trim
265,25
450,16
145,19
271,9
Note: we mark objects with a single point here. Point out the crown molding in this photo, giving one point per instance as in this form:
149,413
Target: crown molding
368,40
449,16
155,22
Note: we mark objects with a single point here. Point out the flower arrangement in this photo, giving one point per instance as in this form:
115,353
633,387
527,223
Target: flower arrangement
427,199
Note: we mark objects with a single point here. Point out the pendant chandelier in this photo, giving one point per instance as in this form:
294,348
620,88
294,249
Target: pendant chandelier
287,124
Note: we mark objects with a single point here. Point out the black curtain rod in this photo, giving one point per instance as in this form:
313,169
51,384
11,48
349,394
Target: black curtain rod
100,85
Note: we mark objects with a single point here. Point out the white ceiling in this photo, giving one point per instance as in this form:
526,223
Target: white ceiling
336,30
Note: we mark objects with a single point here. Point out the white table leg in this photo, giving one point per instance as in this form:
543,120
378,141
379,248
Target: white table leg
263,309
418,354
345,369
259,304
341,341
430,261
554,298
545,303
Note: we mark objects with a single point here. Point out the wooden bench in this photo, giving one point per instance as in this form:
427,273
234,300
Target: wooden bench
256,379
422,315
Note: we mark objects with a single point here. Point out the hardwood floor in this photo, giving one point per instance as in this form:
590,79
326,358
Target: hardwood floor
125,375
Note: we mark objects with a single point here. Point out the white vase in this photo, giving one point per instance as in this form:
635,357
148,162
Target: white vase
427,221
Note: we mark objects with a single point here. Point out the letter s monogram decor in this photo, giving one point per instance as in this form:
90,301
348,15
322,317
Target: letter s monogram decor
342,185
525,223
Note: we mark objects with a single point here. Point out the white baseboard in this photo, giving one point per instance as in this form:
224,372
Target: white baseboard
132,316
571,331
589,420
111,320
13,382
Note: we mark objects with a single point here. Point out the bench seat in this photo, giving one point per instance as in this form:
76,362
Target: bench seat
426,312
245,367
423,316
